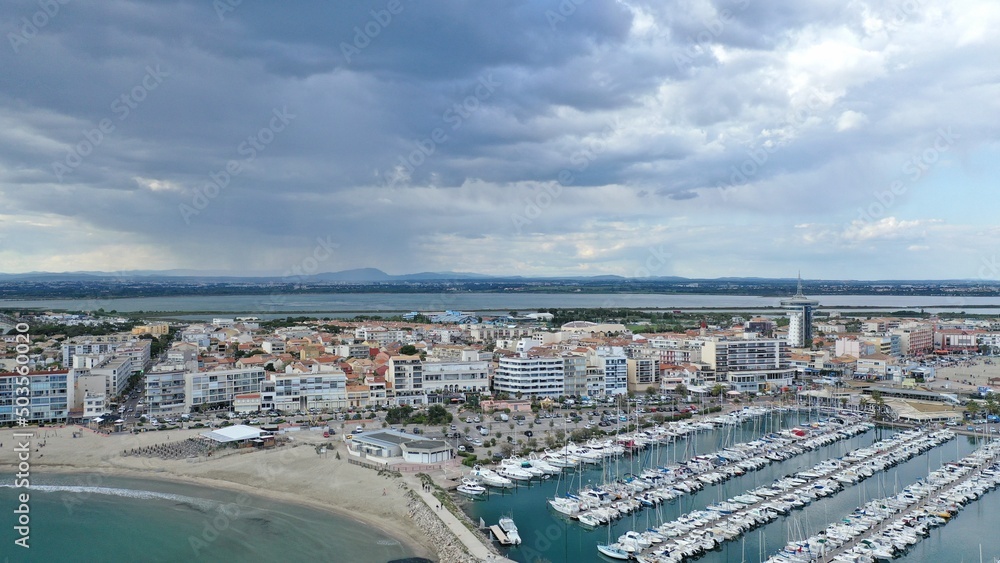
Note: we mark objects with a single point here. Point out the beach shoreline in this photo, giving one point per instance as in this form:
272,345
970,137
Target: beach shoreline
292,474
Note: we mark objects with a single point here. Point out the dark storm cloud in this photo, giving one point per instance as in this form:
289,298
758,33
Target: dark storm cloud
421,132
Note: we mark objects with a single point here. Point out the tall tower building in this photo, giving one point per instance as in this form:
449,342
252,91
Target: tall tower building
800,313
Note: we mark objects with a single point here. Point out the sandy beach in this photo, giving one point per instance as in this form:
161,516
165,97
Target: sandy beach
294,473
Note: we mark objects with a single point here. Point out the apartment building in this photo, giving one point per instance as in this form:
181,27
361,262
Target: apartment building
218,388
530,376
642,373
575,376
916,340
116,372
615,366
166,390
88,348
300,392
451,376
406,373
48,400
750,365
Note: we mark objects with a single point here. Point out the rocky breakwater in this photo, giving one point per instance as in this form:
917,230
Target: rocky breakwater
449,548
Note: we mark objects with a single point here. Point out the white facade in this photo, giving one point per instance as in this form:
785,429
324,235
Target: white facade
531,376
406,373
324,390
165,390
750,365
615,366
220,387
451,376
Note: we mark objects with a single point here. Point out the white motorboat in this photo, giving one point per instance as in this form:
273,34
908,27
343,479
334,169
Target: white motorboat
471,487
507,525
489,477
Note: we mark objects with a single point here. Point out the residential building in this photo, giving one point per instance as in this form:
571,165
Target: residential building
615,365
530,376
300,392
643,373
218,388
456,376
116,372
406,373
575,375
166,390
915,340
750,365
154,329
273,346
49,396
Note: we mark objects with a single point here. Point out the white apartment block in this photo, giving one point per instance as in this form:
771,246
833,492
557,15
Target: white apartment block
358,350
166,392
530,376
94,405
379,334
49,396
273,346
324,390
750,365
116,372
456,376
89,348
615,366
138,353
219,387
406,374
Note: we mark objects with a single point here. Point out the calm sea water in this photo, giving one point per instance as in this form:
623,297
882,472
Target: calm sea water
548,536
338,304
152,521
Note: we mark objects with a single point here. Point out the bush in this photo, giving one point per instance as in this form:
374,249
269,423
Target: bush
469,461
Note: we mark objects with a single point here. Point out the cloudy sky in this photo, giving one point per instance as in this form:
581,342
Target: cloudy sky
703,138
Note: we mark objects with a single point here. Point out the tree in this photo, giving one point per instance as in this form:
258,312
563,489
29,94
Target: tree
408,350
716,390
972,408
681,390
651,391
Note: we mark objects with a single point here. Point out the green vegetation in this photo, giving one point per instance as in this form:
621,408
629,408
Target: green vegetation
405,414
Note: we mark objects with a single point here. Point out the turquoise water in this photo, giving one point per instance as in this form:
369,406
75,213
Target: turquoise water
151,521
548,536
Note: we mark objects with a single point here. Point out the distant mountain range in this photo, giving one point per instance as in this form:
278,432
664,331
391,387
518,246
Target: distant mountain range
374,275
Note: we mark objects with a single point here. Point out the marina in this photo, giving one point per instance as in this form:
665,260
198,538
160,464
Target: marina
890,456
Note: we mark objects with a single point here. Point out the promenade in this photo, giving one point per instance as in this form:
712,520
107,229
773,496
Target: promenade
471,541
